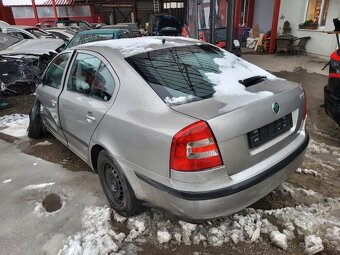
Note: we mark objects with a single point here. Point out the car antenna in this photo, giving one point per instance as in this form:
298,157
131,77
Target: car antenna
163,40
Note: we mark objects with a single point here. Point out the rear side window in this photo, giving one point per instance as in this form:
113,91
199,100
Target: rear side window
55,71
90,76
179,72
83,73
103,85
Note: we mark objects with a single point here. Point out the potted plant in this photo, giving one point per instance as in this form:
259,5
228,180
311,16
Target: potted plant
286,29
309,24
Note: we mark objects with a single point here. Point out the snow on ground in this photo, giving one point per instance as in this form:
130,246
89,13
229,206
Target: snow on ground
7,181
308,172
14,125
316,223
45,143
39,186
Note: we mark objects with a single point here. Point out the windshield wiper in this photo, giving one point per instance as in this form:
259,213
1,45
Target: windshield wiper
252,80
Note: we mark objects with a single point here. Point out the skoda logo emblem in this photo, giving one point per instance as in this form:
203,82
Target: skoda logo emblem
275,107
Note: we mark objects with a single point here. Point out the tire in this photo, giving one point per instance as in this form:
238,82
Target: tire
116,187
35,127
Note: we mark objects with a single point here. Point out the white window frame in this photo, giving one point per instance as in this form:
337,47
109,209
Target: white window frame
321,13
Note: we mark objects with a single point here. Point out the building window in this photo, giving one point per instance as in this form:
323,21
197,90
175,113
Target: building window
45,12
73,11
317,11
173,5
22,12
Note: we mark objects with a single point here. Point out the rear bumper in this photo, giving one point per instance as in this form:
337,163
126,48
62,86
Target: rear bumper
332,104
223,201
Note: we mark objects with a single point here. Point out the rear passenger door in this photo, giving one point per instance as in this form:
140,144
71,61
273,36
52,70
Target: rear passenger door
85,99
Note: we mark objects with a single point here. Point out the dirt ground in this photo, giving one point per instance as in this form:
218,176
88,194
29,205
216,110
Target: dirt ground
322,129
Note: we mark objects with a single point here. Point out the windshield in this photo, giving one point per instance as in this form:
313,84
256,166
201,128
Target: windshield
7,40
178,75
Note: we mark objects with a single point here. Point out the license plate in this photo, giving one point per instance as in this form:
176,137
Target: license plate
264,134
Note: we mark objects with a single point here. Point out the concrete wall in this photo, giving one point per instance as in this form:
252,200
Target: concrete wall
320,43
263,14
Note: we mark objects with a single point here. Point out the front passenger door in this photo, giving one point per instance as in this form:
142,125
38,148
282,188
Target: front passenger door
48,93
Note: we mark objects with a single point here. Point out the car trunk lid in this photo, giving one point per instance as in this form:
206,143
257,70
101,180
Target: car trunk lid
236,119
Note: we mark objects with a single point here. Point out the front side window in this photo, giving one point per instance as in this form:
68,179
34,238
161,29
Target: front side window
83,73
317,12
179,72
55,71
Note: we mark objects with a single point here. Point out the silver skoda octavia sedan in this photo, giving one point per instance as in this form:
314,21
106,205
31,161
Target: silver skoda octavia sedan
173,123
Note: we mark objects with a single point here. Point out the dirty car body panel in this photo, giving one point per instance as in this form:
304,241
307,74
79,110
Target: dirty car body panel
140,122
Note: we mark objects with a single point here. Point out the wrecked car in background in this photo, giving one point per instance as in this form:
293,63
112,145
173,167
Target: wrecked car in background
22,61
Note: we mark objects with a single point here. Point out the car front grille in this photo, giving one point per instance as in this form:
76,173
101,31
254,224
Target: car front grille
264,134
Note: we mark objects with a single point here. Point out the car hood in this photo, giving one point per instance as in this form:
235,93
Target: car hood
34,46
219,105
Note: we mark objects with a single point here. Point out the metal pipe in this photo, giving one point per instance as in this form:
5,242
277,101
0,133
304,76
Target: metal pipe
212,21
35,11
55,10
230,24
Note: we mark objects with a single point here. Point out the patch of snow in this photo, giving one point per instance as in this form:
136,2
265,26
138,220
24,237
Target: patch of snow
163,236
45,143
119,218
134,46
39,186
35,164
279,239
178,100
97,236
227,86
313,245
308,172
7,181
14,125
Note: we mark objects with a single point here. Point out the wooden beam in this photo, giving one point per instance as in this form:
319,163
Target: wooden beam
237,13
250,13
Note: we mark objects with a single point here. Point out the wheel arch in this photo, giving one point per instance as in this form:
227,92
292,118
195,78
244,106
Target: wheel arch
95,150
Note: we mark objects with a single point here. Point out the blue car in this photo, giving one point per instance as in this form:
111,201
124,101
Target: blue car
98,35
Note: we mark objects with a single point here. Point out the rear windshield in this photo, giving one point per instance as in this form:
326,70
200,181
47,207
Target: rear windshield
178,75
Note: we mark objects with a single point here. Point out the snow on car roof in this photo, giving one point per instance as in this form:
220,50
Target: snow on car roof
133,46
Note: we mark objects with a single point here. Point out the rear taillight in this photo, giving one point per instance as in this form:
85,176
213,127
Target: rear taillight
194,148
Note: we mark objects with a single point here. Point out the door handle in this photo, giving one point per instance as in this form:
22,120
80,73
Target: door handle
54,102
90,118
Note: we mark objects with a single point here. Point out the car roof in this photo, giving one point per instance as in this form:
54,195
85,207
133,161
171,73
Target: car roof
100,31
133,46
24,27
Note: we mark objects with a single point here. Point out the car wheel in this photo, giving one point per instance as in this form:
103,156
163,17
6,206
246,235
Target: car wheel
35,127
116,187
